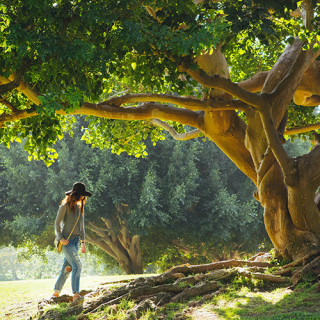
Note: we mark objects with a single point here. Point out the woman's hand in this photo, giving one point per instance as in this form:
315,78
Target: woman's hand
83,247
64,242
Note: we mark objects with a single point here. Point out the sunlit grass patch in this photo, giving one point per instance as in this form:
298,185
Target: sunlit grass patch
280,303
272,297
116,312
149,315
126,304
108,314
169,310
296,315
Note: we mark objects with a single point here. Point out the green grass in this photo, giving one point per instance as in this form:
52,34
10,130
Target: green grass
19,298
273,304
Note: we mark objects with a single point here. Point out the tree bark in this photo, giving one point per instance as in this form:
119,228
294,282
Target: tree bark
291,216
123,247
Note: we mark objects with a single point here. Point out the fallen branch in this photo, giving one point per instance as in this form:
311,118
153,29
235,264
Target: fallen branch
218,265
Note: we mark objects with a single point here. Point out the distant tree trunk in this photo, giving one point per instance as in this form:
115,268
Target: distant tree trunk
224,256
121,246
14,273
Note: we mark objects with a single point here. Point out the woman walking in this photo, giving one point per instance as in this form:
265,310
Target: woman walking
69,229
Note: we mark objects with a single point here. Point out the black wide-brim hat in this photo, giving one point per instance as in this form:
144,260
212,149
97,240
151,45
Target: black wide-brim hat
80,188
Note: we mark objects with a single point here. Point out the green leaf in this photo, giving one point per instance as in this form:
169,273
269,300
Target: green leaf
291,40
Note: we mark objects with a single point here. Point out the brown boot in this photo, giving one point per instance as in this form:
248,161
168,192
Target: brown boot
76,296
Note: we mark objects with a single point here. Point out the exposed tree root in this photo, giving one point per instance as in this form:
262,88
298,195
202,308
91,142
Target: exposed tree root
257,255
303,260
195,291
215,275
218,265
311,270
115,282
136,311
174,286
284,272
262,276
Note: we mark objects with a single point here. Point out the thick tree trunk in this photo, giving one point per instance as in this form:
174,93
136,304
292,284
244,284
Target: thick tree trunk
291,216
290,242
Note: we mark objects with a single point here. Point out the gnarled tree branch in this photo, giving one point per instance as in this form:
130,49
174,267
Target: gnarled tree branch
16,81
177,136
98,228
289,78
143,112
218,82
188,103
273,139
8,104
307,128
255,83
101,245
216,105
24,88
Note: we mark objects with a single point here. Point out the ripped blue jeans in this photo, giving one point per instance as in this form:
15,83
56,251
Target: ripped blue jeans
71,259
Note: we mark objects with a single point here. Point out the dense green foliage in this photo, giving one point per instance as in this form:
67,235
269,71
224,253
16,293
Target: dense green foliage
85,51
186,199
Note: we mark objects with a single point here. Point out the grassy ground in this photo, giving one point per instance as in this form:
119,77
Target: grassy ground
243,300
267,303
18,299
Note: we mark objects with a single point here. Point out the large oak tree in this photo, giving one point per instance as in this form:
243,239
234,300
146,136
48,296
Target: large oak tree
72,57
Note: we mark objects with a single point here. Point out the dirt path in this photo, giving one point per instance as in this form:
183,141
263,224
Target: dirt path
202,314
20,310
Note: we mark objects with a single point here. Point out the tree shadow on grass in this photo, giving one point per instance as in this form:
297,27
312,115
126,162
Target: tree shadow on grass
298,304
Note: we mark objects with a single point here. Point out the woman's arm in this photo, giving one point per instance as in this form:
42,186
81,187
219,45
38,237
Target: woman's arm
83,245
60,218
82,228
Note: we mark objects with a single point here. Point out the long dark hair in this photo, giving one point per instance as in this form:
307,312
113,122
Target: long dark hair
74,200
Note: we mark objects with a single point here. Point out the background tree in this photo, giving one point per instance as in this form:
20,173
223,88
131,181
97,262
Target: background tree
184,202
17,264
60,57
9,264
